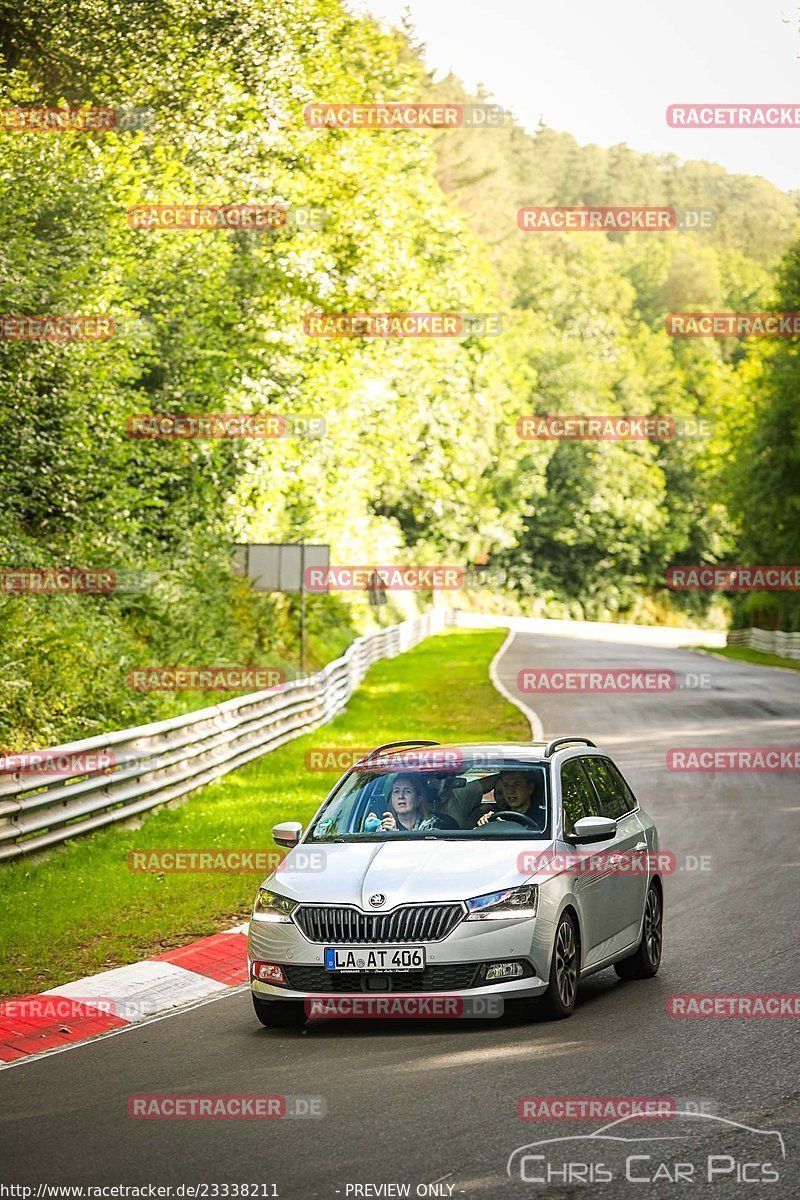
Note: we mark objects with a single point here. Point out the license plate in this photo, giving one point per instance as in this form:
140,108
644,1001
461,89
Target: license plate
389,959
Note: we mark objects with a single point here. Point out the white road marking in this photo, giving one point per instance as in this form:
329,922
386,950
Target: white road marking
141,989
530,714
139,1025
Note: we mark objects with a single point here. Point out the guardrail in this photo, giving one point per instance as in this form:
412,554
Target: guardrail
153,764
768,641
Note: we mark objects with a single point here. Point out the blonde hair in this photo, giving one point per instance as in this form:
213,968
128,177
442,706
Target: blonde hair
420,791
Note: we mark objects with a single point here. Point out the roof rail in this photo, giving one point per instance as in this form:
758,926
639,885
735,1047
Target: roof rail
392,745
563,741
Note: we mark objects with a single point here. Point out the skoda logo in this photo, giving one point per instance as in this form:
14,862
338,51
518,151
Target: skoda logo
377,900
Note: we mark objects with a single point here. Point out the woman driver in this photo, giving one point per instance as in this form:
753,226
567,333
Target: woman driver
408,805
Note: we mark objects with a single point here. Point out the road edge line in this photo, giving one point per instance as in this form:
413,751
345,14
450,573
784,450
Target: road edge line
530,714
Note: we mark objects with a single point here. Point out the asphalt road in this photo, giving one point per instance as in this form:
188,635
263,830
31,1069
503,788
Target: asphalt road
418,1104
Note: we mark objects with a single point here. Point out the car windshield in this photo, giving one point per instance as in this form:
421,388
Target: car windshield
477,797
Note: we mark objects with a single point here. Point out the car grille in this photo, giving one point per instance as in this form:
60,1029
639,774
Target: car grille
447,978
349,926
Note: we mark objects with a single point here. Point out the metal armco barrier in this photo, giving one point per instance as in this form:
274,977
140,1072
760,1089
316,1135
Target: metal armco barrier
153,764
768,641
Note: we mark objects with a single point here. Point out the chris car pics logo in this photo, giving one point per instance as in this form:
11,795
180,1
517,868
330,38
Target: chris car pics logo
693,1148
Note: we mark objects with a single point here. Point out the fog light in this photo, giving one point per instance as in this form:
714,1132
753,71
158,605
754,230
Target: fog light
513,970
269,973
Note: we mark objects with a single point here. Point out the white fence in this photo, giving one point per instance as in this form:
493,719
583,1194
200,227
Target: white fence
155,763
768,641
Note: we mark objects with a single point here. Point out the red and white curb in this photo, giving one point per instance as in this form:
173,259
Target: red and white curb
87,1008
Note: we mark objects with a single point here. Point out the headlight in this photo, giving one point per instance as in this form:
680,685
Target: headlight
513,902
269,906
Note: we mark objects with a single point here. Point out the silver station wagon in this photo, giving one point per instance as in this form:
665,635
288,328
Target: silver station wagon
501,870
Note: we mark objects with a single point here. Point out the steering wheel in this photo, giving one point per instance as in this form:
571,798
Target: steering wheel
508,814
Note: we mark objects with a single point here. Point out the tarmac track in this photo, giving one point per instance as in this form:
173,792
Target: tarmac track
412,1103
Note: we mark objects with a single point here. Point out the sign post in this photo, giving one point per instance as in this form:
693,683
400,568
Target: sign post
281,567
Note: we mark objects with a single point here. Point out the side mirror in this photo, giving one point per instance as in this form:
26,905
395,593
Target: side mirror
288,833
593,829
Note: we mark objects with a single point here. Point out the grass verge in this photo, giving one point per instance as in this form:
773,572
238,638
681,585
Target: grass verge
745,654
79,910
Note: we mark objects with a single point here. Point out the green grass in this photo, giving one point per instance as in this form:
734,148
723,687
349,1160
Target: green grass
79,910
745,654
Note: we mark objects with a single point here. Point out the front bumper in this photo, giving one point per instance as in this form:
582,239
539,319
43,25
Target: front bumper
455,966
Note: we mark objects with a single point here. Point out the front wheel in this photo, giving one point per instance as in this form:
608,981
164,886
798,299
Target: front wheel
279,1014
646,959
562,988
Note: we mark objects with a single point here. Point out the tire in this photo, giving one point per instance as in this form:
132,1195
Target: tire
646,958
279,1014
562,989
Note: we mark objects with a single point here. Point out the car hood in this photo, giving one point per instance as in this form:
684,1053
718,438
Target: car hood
413,871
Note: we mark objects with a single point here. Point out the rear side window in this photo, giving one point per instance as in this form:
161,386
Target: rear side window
576,794
630,800
614,795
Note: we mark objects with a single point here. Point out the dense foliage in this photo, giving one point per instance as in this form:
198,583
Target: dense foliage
587,336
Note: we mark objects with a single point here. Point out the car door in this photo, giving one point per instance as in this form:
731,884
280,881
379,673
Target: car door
629,878
593,889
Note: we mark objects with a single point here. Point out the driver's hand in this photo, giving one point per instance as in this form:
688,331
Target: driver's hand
389,821
484,820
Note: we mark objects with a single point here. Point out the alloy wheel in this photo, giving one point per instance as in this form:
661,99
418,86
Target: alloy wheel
566,963
652,926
